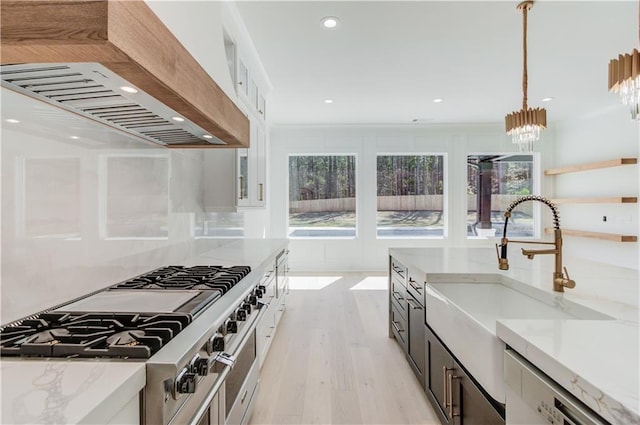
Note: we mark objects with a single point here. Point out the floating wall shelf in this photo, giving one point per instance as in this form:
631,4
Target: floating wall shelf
603,200
591,166
593,235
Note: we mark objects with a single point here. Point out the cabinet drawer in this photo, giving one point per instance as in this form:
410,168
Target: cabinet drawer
399,296
398,270
398,324
415,285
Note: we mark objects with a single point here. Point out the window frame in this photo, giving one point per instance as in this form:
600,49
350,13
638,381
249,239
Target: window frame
536,185
445,194
357,197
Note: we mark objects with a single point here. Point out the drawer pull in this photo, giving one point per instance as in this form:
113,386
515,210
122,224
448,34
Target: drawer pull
451,378
244,396
397,297
444,386
416,287
395,326
413,305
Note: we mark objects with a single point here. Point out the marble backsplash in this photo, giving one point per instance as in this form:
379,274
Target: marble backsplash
81,202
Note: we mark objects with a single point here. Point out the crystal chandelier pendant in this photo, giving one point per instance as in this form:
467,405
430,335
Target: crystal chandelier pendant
630,95
524,126
525,136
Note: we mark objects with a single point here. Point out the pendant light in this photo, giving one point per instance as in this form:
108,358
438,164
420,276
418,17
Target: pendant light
624,78
524,126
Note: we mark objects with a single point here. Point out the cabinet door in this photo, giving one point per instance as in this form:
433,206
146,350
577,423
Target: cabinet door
244,174
261,166
398,324
475,409
243,79
262,106
416,344
253,94
438,367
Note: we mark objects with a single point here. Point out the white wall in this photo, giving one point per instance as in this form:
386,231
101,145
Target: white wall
56,197
366,252
607,134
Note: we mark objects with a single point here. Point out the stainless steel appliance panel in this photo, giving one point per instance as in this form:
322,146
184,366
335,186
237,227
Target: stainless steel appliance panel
132,301
533,398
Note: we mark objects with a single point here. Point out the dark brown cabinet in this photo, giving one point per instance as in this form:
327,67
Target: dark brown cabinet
416,324
439,365
475,409
454,395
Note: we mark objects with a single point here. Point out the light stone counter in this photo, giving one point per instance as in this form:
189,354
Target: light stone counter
68,392
595,360
94,391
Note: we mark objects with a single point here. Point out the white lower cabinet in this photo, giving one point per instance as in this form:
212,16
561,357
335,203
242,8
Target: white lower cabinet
274,301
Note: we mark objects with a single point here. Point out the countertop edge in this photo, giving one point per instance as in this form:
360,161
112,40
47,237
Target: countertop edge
595,398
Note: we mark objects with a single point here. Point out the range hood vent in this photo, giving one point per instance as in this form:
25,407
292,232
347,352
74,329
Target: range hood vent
91,90
78,54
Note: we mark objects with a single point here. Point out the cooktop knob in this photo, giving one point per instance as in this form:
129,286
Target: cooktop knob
253,300
231,326
247,306
186,382
201,367
241,314
215,343
262,289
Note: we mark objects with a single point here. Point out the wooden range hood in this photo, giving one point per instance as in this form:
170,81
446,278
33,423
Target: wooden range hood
127,38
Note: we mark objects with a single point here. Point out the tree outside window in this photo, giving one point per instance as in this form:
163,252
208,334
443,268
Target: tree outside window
410,196
322,196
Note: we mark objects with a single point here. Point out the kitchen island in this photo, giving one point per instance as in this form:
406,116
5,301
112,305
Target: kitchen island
47,391
594,360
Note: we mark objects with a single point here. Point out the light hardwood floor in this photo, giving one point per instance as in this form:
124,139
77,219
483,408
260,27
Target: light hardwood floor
332,362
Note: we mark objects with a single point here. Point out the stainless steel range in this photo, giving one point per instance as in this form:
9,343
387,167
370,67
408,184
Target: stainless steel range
193,326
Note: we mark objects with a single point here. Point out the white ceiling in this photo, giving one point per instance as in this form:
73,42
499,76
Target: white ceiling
388,60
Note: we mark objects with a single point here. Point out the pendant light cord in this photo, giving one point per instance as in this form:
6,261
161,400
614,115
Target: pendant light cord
525,8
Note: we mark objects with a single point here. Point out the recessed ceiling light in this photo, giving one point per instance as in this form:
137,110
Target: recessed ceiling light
12,121
328,101
547,99
437,100
329,22
128,89
207,136
178,119
75,137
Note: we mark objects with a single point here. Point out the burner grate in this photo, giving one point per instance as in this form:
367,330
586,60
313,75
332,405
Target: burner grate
92,335
180,277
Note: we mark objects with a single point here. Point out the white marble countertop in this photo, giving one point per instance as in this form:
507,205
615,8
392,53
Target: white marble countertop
56,391
595,360
67,391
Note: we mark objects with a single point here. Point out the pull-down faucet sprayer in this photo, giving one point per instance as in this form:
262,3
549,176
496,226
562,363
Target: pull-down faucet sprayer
559,279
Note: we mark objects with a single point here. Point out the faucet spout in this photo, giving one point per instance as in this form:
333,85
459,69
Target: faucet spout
559,279
530,253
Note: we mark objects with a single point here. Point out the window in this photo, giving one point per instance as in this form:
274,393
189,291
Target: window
494,182
218,225
410,193
322,196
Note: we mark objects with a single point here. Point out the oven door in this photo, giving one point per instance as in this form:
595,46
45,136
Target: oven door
241,385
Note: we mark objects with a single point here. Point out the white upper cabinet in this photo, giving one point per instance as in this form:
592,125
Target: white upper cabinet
242,80
235,179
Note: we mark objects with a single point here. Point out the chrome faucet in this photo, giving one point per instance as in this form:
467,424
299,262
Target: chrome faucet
560,281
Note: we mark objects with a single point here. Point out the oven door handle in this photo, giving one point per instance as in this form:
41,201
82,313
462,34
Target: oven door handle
225,371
